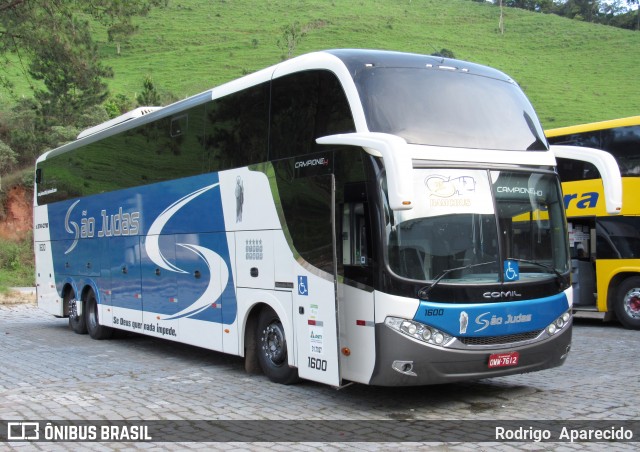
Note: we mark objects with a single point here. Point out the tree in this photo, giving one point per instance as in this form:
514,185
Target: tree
25,133
149,96
54,46
444,53
7,158
607,12
291,36
586,10
119,33
630,4
531,5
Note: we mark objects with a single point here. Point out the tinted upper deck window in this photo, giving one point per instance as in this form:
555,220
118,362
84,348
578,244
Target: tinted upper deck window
305,106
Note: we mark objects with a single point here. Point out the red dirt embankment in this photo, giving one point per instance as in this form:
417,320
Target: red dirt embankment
16,213
16,222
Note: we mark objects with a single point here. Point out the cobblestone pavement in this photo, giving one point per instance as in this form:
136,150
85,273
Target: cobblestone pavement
49,373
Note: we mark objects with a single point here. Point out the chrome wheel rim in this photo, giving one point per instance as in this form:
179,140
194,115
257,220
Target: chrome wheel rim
631,303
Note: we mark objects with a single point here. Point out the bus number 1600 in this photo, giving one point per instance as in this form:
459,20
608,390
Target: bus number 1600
317,363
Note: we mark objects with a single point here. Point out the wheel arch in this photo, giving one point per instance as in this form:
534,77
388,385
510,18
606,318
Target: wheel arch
87,286
248,346
612,289
250,305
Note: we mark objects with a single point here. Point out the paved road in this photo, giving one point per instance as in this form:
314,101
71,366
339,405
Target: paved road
49,373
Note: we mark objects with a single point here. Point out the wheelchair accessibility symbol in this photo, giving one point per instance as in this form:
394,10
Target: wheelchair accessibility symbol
511,271
303,289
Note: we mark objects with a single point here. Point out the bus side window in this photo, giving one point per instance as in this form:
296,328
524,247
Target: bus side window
305,106
236,129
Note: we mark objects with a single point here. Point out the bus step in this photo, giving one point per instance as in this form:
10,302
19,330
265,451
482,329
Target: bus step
588,313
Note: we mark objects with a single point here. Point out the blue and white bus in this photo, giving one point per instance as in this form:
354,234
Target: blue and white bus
345,216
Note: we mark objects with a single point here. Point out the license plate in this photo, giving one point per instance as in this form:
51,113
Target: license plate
503,359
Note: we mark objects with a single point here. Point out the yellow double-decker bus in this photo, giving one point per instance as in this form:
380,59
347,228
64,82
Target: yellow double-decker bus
605,249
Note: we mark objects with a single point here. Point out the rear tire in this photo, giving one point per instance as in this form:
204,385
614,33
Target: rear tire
271,346
627,303
76,321
96,331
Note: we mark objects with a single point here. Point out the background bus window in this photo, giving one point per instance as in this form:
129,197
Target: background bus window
618,237
572,170
622,142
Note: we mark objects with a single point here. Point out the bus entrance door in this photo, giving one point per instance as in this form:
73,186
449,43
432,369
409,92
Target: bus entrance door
314,297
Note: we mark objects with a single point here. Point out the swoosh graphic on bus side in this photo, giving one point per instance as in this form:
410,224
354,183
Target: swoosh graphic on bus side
213,290
152,245
68,229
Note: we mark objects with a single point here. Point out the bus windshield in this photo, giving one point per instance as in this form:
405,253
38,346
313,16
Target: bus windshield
440,108
467,222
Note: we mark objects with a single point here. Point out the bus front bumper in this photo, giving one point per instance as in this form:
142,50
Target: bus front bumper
402,361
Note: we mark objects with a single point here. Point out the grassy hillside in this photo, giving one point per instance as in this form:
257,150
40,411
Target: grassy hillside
573,72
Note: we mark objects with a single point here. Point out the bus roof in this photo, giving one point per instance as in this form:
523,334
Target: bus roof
592,126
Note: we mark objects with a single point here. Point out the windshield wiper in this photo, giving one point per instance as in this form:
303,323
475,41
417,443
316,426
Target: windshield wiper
423,293
539,264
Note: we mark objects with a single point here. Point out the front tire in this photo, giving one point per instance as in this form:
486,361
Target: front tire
271,345
627,303
96,331
76,321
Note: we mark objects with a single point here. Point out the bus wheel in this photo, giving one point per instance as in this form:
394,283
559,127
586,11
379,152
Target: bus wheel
96,331
627,303
76,321
271,346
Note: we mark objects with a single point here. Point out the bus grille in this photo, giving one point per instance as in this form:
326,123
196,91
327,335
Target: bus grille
494,340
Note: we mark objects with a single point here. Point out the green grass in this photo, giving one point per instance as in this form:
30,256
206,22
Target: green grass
573,72
16,264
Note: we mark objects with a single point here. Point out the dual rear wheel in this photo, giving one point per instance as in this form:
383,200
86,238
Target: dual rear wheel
86,321
271,342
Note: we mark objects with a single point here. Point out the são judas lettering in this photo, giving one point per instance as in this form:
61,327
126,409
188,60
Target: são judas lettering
111,225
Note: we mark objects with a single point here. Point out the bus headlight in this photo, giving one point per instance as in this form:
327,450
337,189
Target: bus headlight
419,331
559,324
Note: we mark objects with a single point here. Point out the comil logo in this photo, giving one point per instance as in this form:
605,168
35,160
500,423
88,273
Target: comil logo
502,294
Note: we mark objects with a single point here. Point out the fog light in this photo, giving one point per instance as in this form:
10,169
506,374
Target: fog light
438,338
551,329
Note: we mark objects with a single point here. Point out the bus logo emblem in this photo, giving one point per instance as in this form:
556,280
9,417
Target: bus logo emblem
464,322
